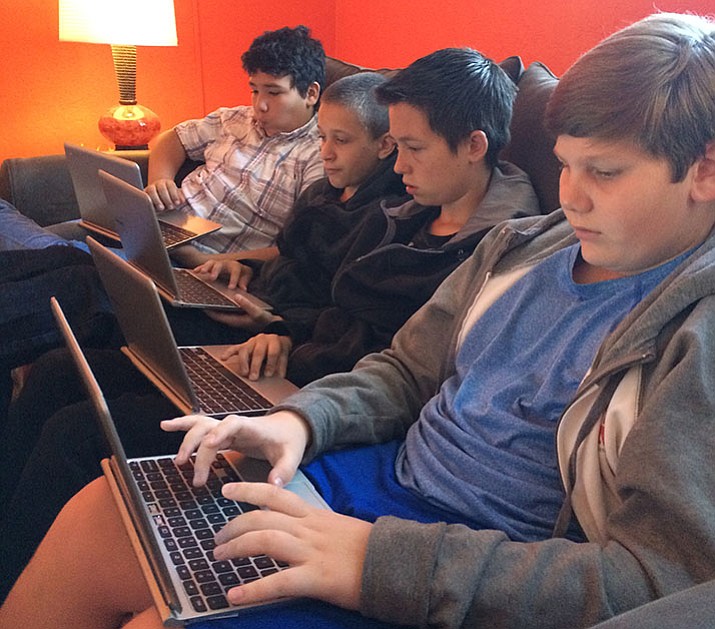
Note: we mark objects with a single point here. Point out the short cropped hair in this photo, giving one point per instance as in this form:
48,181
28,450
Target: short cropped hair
357,94
288,52
460,91
652,83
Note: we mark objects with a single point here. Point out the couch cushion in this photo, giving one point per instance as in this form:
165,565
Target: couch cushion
336,69
531,146
39,187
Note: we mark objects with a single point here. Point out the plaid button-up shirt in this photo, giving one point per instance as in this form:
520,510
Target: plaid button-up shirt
250,181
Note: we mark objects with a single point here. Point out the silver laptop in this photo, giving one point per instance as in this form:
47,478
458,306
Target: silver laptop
194,379
136,223
176,227
171,524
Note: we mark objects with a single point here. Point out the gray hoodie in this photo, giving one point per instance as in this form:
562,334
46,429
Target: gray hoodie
642,483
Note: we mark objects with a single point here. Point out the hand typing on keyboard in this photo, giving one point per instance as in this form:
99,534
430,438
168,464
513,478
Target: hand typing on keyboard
165,194
325,550
267,353
239,275
279,438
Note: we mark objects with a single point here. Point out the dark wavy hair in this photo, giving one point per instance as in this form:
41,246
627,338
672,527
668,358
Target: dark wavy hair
288,52
460,91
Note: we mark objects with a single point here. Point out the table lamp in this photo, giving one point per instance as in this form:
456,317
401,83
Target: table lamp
124,25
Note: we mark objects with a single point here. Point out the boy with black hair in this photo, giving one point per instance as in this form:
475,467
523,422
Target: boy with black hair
448,158
256,159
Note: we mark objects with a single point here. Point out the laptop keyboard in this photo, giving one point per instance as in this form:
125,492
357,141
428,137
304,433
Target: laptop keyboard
187,518
218,390
172,234
192,290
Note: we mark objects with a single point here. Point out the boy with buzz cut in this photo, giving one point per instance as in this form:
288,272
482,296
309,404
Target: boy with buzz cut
555,396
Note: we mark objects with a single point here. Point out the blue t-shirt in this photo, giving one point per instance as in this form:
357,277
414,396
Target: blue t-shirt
484,446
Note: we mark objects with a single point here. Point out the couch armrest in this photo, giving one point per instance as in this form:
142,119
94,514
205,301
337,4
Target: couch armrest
41,187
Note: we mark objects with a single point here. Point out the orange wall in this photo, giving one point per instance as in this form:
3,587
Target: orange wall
54,91
395,33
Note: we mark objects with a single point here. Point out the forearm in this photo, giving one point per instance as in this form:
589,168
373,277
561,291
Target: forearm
166,157
189,256
453,576
266,253
383,395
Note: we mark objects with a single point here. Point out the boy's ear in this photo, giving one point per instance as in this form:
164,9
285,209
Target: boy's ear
313,94
387,145
703,188
478,145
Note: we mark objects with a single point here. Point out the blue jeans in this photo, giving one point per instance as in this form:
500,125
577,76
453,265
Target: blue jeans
28,278
18,231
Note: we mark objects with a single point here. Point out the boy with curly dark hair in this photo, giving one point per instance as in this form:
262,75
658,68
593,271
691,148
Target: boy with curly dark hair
257,159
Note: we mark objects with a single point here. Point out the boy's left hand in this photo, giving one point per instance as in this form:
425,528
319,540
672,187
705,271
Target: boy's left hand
325,550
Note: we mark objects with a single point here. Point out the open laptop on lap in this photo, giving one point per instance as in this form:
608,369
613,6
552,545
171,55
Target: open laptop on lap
171,524
138,228
192,378
176,227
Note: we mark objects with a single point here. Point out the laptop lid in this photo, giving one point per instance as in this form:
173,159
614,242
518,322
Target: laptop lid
83,164
118,460
146,536
150,343
138,227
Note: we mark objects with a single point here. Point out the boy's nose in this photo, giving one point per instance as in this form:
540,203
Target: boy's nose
400,166
572,195
326,151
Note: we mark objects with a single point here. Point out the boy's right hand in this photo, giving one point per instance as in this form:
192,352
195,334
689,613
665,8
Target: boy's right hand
279,438
262,353
239,275
165,195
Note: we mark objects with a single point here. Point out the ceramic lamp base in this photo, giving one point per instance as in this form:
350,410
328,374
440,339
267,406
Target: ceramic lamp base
129,126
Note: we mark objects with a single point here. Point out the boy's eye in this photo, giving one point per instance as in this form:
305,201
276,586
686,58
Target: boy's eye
605,174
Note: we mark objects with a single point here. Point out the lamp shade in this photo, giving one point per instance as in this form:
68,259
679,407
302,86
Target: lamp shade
128,22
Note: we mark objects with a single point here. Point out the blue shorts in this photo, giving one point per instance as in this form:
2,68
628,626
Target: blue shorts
359,482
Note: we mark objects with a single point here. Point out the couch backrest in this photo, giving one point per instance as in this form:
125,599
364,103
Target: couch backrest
41,188
531,145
